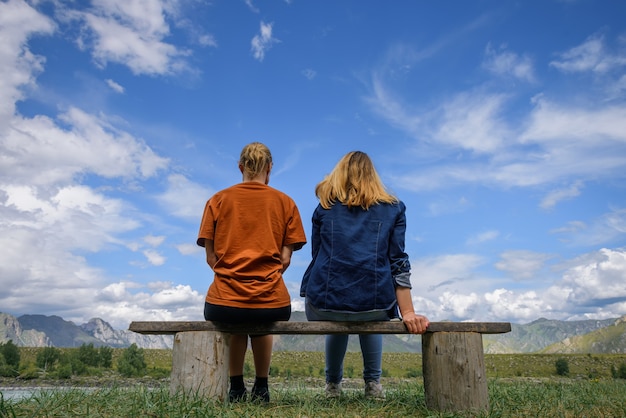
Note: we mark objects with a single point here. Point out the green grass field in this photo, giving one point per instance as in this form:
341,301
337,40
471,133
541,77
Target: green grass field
520,385
400,365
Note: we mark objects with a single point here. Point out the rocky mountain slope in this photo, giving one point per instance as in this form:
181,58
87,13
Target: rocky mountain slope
607,340
42,331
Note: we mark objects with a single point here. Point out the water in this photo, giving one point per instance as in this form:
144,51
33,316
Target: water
18,393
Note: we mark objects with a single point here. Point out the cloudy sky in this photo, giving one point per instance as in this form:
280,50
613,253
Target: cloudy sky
500,124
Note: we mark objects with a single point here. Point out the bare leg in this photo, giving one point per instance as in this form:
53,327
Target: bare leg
262,352
238,347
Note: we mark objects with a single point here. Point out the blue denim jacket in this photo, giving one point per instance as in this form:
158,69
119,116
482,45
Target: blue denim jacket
358,258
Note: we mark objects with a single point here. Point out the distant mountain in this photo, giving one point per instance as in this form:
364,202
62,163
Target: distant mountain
606,340
542,335
60,332
537,335
10,329
43,331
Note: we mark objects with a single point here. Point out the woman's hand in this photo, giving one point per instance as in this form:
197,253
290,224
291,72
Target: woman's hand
416,324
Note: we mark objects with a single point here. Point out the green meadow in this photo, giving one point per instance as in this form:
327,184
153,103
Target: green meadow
520,385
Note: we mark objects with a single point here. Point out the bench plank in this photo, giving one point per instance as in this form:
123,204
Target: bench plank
313,327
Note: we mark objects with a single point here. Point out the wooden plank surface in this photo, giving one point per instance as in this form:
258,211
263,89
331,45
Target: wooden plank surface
313,327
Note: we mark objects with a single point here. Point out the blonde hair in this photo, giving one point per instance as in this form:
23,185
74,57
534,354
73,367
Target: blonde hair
254,159
353,182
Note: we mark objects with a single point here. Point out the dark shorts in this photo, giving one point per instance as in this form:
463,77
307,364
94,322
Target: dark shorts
232,315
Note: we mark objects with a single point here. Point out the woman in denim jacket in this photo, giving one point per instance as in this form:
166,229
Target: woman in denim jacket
359,270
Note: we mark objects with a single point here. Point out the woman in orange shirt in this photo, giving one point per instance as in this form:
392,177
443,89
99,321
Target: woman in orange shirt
249,231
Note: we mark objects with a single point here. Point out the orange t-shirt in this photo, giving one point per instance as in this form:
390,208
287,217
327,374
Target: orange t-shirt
249,223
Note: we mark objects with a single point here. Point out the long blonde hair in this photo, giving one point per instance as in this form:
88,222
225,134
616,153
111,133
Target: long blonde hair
353,182
254,159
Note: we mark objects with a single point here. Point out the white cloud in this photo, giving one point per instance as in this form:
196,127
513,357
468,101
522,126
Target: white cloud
154,257
519,307
51,223
122,302
605,229
593,282
114,86
591,55
505,63
189,249
309,73
131,33
262,42
18,22
442,271
38,151
556,196
483,237
459,305
589,286
154,241
252,7
184,198
522,264
207,40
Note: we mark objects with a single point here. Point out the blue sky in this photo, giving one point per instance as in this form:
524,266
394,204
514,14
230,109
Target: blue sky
500,124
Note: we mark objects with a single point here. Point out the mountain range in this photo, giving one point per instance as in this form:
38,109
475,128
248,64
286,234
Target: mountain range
540,336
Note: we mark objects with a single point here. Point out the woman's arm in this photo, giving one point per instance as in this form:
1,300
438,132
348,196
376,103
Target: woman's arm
416,324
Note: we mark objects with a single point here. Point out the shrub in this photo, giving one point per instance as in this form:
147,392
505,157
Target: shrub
88,355
562,367
47,358
105,355
11,354
619,373
64,371
132,362
30,371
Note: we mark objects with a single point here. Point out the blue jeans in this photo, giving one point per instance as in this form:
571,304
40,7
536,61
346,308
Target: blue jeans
336,345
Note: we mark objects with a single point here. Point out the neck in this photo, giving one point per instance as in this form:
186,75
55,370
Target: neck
261,178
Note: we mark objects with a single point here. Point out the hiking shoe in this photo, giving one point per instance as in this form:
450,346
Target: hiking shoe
374,390
237,395
333,390
260,394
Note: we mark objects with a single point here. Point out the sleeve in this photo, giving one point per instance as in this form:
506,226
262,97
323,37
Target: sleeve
294,231
399,260
207,225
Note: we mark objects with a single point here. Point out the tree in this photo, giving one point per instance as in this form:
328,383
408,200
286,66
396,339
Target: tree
562,367
47,358
88,355
105,357
9,359
132,362
11,354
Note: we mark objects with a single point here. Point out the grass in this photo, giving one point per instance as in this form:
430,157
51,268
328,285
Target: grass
311,363
518,397
520,385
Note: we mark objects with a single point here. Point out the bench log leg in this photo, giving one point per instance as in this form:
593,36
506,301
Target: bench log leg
454,371
200,363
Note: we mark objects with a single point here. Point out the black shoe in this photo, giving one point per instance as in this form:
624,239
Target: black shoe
237,395
260,394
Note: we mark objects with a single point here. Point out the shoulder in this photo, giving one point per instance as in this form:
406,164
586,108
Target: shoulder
281,195
398,205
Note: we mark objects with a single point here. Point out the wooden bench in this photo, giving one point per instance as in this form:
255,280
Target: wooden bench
453,363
